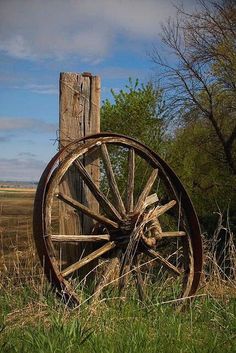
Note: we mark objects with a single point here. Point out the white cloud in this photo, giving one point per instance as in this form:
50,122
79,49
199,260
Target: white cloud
114,72
16,46
40,88
26,124
6,138
21,169
27,155
88,29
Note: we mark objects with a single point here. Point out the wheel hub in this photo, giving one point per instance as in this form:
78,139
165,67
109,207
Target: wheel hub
144,227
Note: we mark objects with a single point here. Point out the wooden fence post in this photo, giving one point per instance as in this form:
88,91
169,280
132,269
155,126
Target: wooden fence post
79,115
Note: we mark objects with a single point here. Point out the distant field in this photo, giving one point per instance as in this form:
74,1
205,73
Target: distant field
20,190
16,207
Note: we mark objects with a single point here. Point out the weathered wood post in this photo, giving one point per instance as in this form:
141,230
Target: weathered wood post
79,115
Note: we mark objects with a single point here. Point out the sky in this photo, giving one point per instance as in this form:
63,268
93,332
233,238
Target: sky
40,39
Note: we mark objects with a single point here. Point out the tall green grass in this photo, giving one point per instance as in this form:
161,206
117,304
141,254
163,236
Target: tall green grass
33,320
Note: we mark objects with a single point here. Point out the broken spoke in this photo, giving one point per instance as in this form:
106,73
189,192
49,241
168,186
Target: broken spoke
146,191
161,259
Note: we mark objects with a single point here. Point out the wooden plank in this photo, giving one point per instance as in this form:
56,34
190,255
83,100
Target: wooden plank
79,115
91,90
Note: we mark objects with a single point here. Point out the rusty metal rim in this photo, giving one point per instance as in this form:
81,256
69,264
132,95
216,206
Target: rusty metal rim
51,270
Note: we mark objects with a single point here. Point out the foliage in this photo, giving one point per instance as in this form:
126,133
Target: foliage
211,188
139,112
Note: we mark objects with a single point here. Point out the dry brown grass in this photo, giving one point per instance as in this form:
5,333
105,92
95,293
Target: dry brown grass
19,262
18,190
17,251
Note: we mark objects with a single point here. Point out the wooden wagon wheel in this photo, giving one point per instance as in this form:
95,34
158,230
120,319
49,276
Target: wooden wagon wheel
145,229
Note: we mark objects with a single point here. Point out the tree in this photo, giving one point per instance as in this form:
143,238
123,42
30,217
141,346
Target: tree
211,188
140,112
201,78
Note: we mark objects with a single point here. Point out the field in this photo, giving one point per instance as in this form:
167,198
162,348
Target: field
33,320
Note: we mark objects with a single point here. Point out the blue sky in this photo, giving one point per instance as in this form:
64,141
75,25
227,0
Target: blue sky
40,39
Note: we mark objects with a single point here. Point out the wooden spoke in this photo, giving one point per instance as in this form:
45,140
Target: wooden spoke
130,183
80,207
100,197
107,276
161,259
84,261
146,191
173,234
111,180
139,281
123,278
159,210
78,238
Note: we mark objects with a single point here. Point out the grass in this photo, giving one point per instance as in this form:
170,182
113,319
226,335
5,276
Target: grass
41,324
33,320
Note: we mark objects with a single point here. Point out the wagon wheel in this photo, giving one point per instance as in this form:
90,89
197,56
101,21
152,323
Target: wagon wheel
144,229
